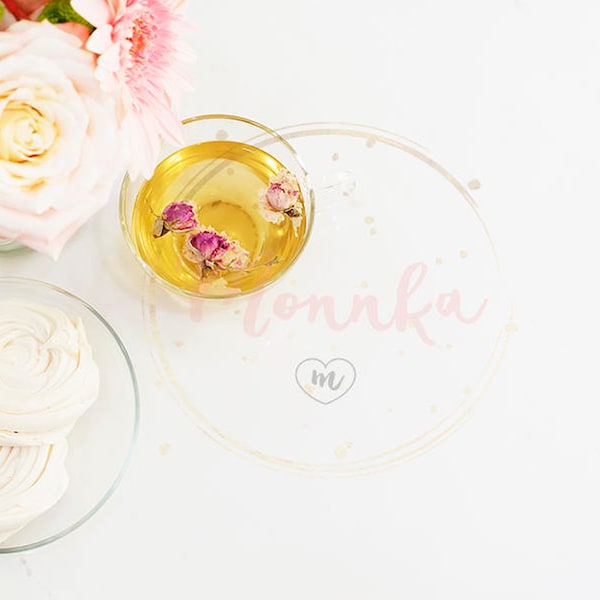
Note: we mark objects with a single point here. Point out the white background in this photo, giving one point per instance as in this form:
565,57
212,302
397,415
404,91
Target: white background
507,92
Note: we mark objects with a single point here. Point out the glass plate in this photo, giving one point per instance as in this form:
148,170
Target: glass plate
95,464
376,345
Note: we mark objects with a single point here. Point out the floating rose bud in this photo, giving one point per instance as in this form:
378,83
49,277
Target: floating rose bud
279,197
282,197
178,217
209,245
283,191
215,251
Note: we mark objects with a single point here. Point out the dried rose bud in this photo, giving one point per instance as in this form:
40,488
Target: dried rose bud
283,191
279,198
282,197
178,217
209,245
215,251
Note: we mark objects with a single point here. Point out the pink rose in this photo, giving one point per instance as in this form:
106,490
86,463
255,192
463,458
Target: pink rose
215,251
279,198
210,245
282,197
59,146
283,191
180,216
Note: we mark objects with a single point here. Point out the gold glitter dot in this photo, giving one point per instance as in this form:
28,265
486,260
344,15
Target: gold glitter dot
244,359
364,284
439,260
164,449
464,254
335,156
369,220
474,184
433,409
372,231
371,141
333,348
309,388
400,352
179,344
512,327
342,451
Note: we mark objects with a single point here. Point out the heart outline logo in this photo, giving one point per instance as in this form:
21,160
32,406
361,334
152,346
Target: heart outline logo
325,379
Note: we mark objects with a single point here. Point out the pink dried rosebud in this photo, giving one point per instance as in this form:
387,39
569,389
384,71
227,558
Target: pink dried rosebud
178,217
283,191
209,244
281,198
212,251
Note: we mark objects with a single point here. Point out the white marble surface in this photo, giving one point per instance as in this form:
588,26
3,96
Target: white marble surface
505,92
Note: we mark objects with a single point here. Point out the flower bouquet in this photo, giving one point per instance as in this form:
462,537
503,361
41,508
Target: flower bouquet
87,87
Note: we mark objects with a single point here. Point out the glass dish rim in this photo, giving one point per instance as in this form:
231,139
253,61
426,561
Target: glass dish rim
115,484
125,229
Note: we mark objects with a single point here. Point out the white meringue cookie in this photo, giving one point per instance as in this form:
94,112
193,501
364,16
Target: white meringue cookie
48,377
32,480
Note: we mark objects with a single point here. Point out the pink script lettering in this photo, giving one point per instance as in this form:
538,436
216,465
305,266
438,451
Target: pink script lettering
287,305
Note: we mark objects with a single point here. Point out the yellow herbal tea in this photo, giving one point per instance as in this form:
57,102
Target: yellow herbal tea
231,194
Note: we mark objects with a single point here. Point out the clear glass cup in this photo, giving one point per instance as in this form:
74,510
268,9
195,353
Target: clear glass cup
218,127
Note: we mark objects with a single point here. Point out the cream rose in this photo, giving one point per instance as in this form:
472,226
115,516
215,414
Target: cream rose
59,141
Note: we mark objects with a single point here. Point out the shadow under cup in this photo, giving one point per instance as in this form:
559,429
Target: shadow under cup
223,128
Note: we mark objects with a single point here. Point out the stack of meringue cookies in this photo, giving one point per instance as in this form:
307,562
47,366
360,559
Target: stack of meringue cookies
48,379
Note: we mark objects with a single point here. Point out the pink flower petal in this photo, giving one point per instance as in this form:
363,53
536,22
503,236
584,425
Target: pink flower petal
100,41
140,55
76,29
97,12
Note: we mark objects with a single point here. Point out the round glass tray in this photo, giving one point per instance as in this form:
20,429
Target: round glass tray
95,463
376,345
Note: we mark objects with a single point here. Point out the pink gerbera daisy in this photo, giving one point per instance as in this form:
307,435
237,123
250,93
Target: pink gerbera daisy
140,56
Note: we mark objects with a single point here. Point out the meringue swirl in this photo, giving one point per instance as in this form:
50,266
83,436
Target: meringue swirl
48,377
32,480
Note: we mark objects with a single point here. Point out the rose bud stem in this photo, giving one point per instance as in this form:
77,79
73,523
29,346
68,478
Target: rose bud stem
269,263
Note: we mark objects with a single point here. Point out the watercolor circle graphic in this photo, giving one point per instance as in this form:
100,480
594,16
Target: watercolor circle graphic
400,279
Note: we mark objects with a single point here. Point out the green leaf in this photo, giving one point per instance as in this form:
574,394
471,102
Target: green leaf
61,11
2,10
